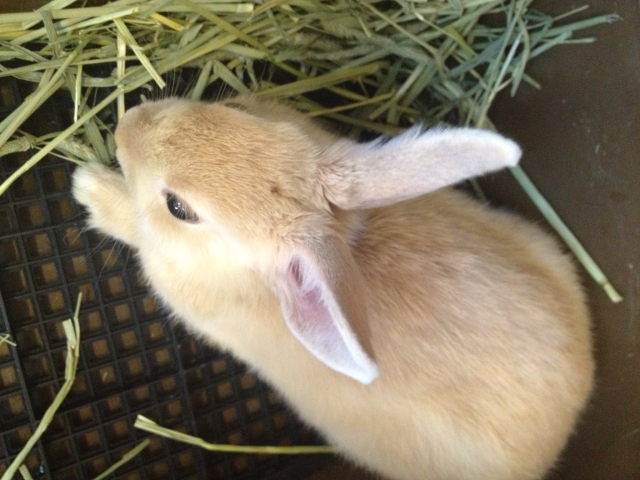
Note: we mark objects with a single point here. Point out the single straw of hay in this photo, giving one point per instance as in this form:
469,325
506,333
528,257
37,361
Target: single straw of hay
389,64
143,423
6,338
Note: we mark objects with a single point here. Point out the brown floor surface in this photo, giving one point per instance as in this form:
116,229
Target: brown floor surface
581,138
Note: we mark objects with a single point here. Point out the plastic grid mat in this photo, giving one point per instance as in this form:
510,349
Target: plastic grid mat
132,360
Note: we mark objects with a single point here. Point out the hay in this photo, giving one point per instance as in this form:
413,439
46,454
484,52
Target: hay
127,457
6,338
72,332
383,65
143,423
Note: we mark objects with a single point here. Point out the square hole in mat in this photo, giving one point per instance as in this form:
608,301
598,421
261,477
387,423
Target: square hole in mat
253,407
89,443
6,224
59,453
61,210
45,274
112,287
8,378
224,392
202,401
241,464
69,238
54,180
166,387
119,315
117,433
160,362
133,370
230,417
30,340
30,216
5,352
248,383
139,397
20,310
154,334
154,450
98,351
13,282
95,466
75,267
13,410
111,407
9,252
91,322
16,439
37,369
24,186
220,367
107,259
53,303
147,307
38,245
88,294
126,342
105,379
81,418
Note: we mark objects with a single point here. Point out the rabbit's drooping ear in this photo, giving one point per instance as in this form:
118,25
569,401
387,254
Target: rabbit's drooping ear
323,301
412,164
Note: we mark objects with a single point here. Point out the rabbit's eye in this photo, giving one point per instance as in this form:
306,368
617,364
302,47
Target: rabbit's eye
180,210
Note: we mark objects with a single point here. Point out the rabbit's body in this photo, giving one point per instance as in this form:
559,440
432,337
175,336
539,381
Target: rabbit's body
475,319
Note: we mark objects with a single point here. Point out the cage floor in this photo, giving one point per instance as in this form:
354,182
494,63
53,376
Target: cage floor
133,359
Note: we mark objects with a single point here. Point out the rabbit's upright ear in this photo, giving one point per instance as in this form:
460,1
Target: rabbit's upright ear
412,164
323,301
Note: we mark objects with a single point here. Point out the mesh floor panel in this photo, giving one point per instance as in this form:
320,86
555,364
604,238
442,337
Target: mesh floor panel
133,359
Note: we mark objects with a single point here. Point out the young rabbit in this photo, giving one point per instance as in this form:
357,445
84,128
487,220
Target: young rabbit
425,335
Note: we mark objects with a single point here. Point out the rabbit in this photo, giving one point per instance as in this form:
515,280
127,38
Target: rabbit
422,333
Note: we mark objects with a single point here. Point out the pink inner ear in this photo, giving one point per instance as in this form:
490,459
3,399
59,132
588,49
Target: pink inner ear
316,320
311,315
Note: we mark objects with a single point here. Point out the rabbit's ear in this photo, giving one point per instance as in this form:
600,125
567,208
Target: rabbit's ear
412,164
322,298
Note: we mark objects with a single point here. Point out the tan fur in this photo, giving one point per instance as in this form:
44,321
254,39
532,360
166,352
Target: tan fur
475,318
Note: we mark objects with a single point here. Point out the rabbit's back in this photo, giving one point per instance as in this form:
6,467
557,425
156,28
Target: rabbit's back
482,337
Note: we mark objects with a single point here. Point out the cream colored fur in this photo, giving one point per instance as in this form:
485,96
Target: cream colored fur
475,319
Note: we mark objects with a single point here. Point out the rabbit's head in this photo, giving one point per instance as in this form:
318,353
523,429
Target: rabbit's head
247,184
